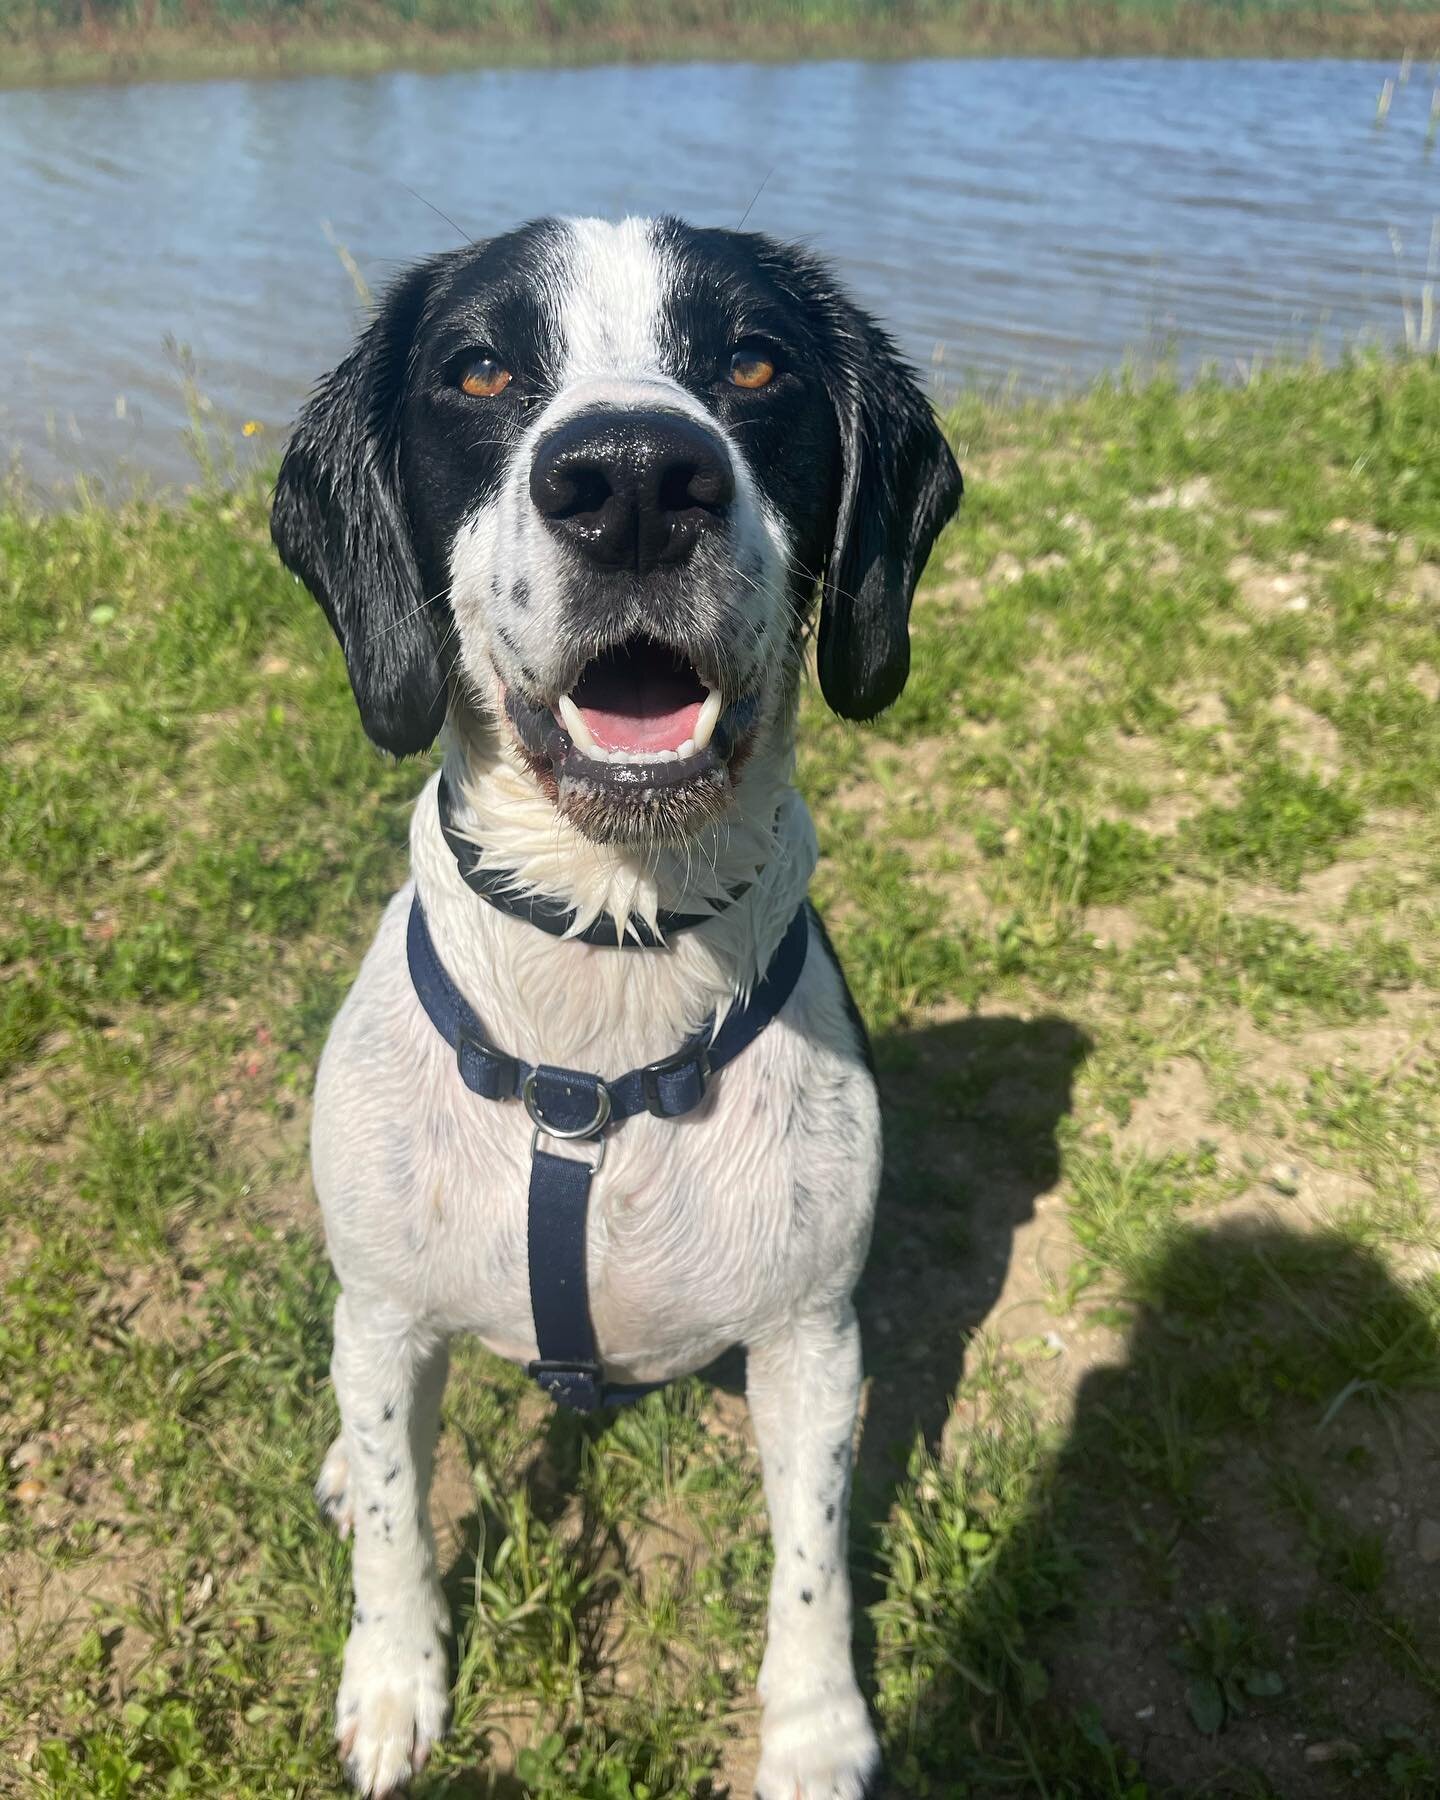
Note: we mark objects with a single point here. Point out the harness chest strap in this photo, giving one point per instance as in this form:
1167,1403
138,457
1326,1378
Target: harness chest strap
573,1105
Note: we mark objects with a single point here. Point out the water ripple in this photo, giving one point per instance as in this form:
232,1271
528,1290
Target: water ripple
1030,218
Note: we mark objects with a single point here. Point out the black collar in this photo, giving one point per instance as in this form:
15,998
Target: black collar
498,887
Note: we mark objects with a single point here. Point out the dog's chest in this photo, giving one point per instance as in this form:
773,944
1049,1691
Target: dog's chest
702,1230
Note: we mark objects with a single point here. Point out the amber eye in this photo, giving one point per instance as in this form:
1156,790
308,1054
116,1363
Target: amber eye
751,369
485,378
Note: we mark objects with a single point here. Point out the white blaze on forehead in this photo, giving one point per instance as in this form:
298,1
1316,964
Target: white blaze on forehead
612,298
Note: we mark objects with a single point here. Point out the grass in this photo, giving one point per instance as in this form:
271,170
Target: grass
106,40
1136,889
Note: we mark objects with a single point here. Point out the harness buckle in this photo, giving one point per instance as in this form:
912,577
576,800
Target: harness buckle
474,1058
689,1056
580,1386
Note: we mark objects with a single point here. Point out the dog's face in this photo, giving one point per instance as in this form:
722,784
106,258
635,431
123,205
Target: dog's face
586,479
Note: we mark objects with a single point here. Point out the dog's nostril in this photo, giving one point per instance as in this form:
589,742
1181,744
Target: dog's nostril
690,482
569,479
572,490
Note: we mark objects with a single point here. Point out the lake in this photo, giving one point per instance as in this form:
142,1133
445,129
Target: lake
1034,221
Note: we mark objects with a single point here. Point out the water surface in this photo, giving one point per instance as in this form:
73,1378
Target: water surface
1030,219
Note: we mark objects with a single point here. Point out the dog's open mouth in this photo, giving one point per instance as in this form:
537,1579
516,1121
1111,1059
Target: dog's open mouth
640,721
639,704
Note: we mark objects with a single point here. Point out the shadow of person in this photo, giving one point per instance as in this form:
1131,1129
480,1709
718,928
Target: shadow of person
1216,1582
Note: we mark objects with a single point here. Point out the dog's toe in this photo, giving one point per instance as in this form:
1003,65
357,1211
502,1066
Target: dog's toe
391,1710
332,1488
820,1745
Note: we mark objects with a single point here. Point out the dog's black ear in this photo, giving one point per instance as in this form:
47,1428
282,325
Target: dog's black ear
339,522
900,485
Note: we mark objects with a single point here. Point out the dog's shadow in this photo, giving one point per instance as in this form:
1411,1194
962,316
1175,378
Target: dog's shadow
971,1108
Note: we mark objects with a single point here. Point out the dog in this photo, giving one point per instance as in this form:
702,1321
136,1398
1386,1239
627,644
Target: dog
569,502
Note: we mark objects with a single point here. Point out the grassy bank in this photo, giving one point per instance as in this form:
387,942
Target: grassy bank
1136,887
90,40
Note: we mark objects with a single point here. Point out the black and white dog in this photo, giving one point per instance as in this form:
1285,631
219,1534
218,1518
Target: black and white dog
570,500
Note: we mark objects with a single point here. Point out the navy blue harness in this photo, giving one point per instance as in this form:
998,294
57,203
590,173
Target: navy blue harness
569,1104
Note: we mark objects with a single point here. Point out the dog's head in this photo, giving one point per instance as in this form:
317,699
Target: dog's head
586,478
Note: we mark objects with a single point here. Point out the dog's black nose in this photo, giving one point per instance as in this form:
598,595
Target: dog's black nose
632,490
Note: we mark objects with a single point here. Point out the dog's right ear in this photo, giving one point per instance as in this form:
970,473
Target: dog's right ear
339,521
900,486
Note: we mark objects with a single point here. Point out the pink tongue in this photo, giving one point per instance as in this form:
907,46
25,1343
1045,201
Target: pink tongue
616,728
635,705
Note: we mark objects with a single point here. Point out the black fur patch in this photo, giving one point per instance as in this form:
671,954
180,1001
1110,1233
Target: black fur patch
390,457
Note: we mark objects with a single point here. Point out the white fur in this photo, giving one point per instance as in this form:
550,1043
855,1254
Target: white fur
746,1221
613,280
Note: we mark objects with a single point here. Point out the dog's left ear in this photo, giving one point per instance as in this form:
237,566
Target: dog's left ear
339,521
900,485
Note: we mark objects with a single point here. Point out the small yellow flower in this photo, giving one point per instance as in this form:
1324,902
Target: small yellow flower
252,428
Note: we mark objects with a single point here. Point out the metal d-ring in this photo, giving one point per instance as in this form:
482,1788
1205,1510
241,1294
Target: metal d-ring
541,1123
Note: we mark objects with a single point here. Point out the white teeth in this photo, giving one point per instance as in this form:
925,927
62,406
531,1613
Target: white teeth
580,735
578,729
709,716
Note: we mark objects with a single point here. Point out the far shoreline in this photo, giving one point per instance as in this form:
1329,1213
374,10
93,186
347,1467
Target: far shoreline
1190,29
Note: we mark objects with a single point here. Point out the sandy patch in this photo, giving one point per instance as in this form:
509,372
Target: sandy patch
1271,592
1185,496
1311,737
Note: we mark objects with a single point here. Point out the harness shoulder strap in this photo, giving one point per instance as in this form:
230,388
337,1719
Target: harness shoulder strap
571,1104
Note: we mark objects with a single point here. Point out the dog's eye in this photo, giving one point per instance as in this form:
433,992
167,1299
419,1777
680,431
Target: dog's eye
484,378
751,369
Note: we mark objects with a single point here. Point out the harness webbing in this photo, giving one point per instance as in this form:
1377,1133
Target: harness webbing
573,1105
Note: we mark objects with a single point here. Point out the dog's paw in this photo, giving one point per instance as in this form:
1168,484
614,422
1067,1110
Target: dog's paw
392,1707
817,1745
332,1489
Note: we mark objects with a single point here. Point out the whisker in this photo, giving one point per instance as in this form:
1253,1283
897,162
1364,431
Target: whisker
405,617
446,217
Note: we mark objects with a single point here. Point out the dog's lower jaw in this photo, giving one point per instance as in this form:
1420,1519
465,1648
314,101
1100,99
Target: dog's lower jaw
512,809
643,808
660,819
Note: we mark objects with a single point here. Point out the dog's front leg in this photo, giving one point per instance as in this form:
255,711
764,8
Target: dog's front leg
816,1741
389,1379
